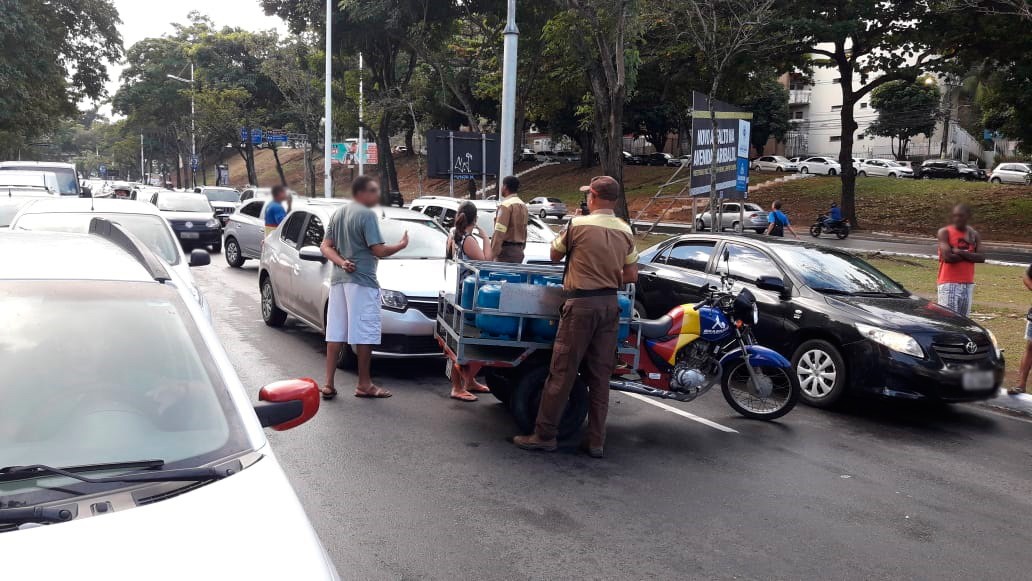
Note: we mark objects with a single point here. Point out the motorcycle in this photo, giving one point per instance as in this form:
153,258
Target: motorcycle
685,353
824,225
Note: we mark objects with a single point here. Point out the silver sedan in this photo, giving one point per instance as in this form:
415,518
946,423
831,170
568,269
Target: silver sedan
294,277
732,215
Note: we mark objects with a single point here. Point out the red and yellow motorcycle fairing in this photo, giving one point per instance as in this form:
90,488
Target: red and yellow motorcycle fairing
658,356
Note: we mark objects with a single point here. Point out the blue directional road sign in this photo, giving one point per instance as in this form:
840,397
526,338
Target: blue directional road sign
194,163
102,170
256,135
244,133
742,175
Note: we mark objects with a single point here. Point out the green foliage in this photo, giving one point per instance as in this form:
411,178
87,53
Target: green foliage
768,102
905,109
54,55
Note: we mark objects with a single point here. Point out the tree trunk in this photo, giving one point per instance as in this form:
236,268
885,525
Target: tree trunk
309,172
204,170
252,174
279,166
586,140
716,217
388,173
849,127
409,141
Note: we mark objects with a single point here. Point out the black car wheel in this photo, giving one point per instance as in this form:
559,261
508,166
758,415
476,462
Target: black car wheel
821,372
234,257
996,181
832,172
862,174
700,226
271,314
526,399
543,215
804,169
639,311
926,177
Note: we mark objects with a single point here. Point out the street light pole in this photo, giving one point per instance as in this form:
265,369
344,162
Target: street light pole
143,178
328,125
507,141
361,135
193,129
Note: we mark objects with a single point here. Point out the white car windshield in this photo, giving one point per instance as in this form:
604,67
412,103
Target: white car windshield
150,229
221,195
426,239
136,382
183,203
67,181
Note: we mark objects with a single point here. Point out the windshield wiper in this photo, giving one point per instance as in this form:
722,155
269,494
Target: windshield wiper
878,294
832,291
11,473
34,514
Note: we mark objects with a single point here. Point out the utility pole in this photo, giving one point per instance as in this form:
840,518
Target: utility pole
361,135
193,127
143,177
328,119
507,144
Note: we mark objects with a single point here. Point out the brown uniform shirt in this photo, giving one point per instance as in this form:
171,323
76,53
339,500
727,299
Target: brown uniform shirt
510,223
597,246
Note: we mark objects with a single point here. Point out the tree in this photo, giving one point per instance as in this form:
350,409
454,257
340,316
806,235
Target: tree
605,36
723,31
54,56
869,43
768,102
295,69
905,109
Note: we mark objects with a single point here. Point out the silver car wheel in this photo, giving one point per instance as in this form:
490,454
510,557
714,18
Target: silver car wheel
267,300
817,373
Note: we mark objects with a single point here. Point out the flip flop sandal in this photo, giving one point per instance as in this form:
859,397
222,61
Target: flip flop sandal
330,394
477,389
376,393
467,398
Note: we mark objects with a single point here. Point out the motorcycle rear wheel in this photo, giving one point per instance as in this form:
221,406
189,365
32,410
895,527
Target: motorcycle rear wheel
815,230
737,388
842,233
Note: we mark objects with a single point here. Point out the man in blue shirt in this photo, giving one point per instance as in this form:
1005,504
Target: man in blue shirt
274,210
834,215
778,221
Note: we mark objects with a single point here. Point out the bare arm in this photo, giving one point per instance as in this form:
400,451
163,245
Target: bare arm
945,250
1027,280
472,249
630,273
792,230
972,255
387,250
331,254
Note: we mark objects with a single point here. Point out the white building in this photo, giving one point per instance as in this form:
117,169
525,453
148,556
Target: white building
815,107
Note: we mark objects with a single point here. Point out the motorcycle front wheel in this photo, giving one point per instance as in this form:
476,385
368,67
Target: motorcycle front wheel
775,396
815,230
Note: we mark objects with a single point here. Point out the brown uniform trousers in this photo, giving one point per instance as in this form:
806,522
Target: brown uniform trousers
511,253
585,343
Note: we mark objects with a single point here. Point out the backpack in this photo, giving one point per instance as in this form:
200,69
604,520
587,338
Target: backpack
779,228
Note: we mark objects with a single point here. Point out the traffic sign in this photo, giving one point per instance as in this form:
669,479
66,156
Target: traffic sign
276,136
194,163
256,135
244,133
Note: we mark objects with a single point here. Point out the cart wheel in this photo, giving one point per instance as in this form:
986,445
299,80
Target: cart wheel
526,398
501,384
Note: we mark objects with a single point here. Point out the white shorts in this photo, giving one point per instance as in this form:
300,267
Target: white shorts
353,315
956,296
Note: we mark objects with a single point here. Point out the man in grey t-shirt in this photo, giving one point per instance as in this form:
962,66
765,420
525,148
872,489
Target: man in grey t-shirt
354,244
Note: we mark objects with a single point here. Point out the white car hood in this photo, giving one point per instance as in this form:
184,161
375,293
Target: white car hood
248,526
416,278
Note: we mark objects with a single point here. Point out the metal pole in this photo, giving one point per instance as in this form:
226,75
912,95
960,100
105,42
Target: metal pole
361,136
143,178
483,164
193,129
451,163
328,126
507,144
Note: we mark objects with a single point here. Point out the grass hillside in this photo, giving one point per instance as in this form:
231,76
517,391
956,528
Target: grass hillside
1002,213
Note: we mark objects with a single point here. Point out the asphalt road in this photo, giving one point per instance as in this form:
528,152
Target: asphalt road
423,487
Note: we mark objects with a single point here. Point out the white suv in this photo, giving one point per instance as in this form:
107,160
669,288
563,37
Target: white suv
1011,173
443,208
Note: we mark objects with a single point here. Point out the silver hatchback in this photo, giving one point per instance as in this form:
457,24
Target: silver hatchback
294,277
543,207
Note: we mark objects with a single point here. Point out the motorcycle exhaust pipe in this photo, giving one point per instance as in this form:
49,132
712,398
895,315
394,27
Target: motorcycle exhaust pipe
641,388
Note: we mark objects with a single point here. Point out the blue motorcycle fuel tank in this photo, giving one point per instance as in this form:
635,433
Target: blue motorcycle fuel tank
714,325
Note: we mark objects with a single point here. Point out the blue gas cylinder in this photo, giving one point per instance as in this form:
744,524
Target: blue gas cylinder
494,325
545,329
625,312
469,288
507,277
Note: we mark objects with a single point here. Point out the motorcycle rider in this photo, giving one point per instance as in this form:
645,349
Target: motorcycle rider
600,257
834,217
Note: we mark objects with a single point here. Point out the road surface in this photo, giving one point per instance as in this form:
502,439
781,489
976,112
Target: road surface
423,487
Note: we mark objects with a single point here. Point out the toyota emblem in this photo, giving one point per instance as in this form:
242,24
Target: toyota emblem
970,347
189,224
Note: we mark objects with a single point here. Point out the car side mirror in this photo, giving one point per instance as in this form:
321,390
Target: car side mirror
771,283
287,404
312,253
199,257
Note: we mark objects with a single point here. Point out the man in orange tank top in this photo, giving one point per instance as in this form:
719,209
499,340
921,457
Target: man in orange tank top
958,253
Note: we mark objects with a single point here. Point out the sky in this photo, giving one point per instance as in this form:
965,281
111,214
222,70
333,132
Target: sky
146,18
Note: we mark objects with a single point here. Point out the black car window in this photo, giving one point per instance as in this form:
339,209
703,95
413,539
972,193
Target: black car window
690,254
314,232
448,219
291,231
730,208
747,264
433,211
253,209
831,271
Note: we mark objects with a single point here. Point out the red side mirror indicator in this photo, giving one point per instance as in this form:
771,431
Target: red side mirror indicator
291,403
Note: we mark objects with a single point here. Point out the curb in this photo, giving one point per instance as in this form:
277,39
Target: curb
1016,405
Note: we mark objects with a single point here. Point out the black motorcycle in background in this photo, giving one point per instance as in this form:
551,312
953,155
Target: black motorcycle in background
825,225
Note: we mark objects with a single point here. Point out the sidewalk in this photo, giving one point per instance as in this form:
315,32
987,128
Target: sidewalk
1016,405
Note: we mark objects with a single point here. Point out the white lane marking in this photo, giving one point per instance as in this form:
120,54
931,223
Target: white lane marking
681,413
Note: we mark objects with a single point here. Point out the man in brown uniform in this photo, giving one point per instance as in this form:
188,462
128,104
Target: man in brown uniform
510,234
600,257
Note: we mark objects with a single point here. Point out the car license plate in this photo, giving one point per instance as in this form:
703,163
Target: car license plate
973,380
189,235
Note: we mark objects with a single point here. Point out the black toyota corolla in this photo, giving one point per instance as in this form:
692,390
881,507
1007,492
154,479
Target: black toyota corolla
846,326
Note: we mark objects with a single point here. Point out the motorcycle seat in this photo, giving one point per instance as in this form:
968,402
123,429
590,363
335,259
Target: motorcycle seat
655,328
